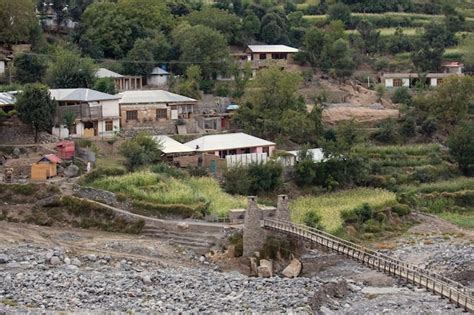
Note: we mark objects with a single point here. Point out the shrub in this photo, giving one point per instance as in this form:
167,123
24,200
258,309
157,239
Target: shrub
387,132
162,168
253,179
237,181
402,96
237,240
408,128
429,126
140,150
461,147
364,213
99,173
401,209
381,217
198,171
312,219
372,226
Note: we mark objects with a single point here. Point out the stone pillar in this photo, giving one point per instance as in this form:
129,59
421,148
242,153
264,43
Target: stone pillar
254,235
282,210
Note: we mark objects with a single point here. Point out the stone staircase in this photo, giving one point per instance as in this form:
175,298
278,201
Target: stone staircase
198,242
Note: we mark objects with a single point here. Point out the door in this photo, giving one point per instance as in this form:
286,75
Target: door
213,167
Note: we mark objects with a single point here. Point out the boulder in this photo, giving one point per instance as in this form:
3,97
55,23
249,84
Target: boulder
71,171
146,278
50,201
231,251
253,266
91,257
55,260
293,269
76,262
4,259
265,270
183,226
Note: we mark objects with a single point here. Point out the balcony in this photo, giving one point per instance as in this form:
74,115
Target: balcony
83,112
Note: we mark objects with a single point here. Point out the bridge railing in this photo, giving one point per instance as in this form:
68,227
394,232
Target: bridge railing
446,287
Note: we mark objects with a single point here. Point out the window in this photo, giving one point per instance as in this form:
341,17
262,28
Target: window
109,125
397,82
266,150
132,115
263,56
279,56
162,113
440,81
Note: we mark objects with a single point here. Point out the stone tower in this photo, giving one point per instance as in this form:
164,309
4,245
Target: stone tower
282,210
254,234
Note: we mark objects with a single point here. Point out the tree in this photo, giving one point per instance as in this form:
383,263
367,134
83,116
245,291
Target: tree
340,59
450,102
35,107
30,68
402,96
105,85
314,43
203,46
250,26
190,86
140,60
17,21
430,47
408,128
399,42
69,70
226,23
271,33
140,150
340,11
69,119
387,132
461,147
370,37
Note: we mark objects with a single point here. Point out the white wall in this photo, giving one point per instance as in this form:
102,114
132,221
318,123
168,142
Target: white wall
433,82
61,132
110,108
157,80
101,128
406,82
388,82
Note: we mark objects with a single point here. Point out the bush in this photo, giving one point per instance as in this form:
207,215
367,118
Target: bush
237,240
387,132
99,173
237,181
402,96
408,128
461,147
168,170
253,179
364,213
401,209
185,211
140,150
312,219
275,247
372,226
198,171
429,126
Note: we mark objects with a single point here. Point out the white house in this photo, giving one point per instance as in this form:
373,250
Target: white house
157,77
96,113
223,145
169,146
396,80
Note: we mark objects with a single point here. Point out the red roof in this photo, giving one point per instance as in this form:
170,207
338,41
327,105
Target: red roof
52,158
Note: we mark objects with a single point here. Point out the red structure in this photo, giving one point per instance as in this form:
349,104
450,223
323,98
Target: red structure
66,149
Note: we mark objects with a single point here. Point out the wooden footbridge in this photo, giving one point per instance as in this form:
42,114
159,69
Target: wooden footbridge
456,293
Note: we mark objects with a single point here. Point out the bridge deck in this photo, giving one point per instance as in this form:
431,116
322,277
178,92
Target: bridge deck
433,282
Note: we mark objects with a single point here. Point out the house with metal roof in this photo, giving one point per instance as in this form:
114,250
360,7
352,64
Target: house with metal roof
410,79
169,146
122,82
157,77
222,145
149,108
96,114
262,56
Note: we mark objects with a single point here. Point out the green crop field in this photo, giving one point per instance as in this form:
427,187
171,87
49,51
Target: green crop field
329,206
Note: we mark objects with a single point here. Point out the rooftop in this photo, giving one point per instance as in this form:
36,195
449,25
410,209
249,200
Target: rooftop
169,145
228,141
272,49
7,99
317,154
106,73
82,95
153,96
158,70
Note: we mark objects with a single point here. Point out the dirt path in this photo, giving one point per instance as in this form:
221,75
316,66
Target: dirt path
432,225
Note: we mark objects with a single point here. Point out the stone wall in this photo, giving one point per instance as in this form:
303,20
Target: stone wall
254,234
98,195
13,131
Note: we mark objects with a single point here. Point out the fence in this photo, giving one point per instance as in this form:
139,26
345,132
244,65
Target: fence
246,159
436,283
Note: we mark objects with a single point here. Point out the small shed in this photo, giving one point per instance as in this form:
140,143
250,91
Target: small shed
66,149
45,168
157,77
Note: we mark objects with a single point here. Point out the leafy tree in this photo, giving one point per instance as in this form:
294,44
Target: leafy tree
271,33
204,46
399,42
105,85
250,26
140,150
335,30
266,99
387,132
408,128
140,60
35,107
452,98
17,21
219,20
69,119
340,11
340,59
314,42
402,96
312,219
69,70
264,177
370,37
430,48
30,68
190,86
429,126
304,171
461,147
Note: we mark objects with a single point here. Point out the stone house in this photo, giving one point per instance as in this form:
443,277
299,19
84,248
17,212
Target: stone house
157,77
96,113
122,82
149,108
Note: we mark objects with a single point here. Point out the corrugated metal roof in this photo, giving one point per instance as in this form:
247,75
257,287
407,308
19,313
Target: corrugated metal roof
106,73
228,141
272,49
317,154
169,145
52,158
82,95
153,96
7,98
158,70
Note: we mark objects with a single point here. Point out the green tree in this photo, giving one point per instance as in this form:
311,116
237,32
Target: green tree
314,43
69,119
461,147
203,46
190,85
35,107
430,47
266,99
140,60
370,37
140,150
17,21
340,11
219,20
339,59
402,96
69,70
105,85
30,68
250,26
408,127
450,101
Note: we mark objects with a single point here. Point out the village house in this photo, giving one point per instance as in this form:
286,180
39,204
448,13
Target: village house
231,144
157,77
96,113
122,82
7,101
410,79
154,107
